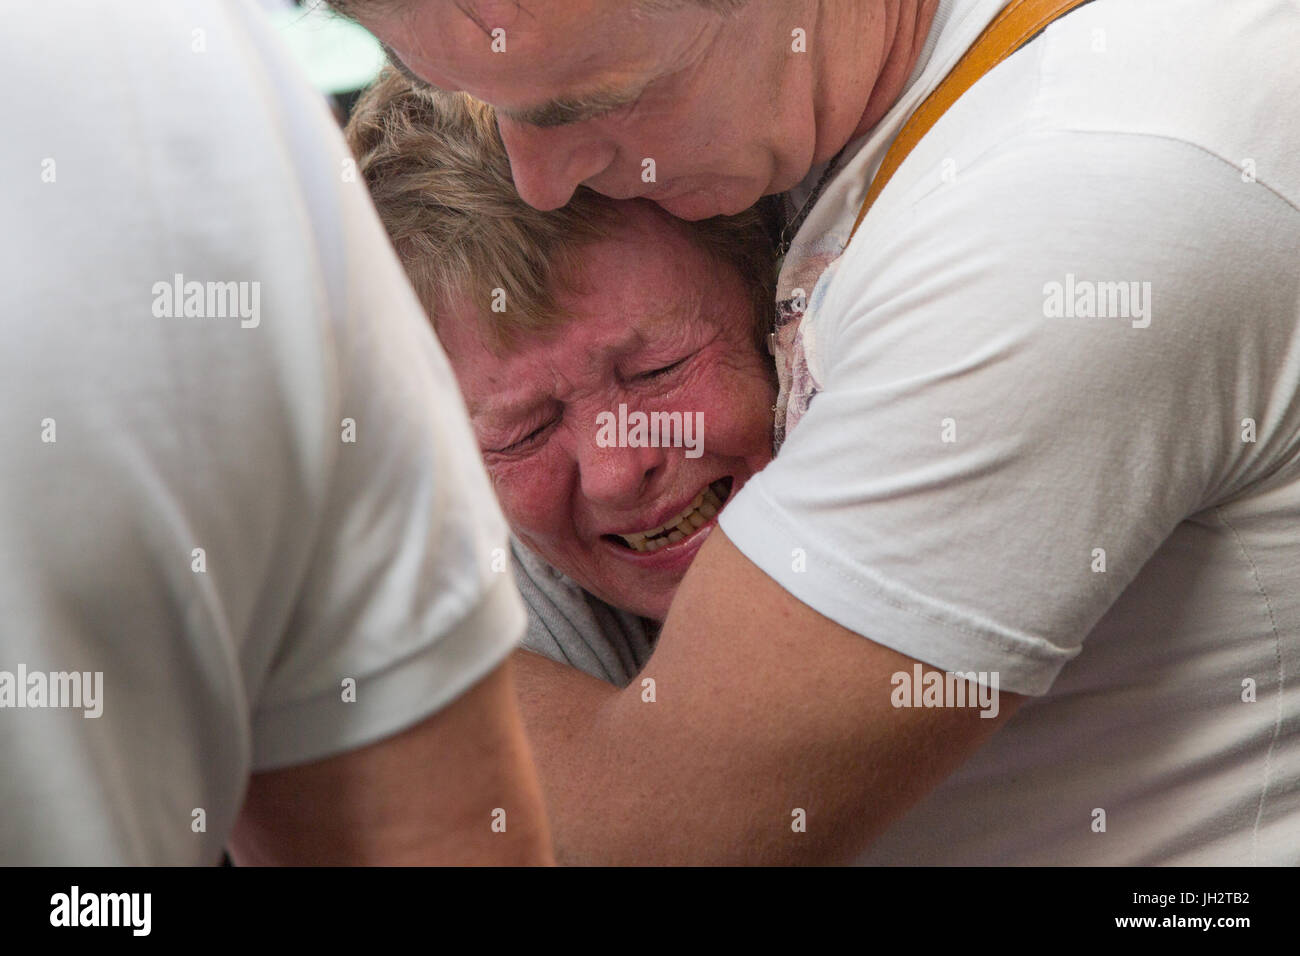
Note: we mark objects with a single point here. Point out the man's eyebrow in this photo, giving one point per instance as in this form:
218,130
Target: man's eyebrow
558,112
574,109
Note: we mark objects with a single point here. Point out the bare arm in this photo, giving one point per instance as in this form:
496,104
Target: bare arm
763,707
423,796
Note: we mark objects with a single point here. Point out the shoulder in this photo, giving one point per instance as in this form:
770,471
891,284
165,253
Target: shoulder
1218,77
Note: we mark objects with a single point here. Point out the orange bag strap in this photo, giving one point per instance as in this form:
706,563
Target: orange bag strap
1019,22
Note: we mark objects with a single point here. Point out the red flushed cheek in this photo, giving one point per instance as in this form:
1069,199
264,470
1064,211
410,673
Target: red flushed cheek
536,495
736,400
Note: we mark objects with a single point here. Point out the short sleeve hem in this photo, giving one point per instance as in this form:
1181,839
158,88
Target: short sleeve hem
860,600
397,697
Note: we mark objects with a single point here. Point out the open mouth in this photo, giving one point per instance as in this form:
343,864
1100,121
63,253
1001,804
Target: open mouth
699,513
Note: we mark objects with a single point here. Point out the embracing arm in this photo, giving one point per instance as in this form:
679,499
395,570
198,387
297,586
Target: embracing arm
762,707
425,796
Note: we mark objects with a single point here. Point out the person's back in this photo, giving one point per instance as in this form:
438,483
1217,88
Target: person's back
243,527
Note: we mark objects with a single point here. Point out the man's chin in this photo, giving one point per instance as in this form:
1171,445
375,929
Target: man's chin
702,204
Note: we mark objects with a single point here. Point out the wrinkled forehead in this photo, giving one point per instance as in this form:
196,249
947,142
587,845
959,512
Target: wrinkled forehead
644,292
520,49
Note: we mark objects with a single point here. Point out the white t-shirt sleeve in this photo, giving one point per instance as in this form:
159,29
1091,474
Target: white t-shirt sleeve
401,606
977,481
400,596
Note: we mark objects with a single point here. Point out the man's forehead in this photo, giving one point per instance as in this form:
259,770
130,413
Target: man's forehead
544,65
488,15
546,38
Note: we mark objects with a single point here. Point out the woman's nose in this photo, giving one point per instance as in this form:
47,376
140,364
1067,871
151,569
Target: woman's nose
618,476
549,164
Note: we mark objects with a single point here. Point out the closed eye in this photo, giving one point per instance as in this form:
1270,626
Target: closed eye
655,373
524,443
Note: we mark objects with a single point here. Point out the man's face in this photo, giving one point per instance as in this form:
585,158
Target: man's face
658,327
587,91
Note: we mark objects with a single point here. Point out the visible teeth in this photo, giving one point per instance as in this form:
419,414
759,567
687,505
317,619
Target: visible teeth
705,506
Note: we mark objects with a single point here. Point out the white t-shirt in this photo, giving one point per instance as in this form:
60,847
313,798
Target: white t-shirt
231,518
1103,510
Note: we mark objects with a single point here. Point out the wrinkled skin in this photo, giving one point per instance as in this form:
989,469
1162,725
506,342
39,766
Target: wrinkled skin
658,326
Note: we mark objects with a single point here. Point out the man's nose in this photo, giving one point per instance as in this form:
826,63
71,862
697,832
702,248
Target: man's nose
619,476
548,164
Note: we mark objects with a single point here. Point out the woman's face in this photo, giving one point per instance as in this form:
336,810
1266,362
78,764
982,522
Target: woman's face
657,327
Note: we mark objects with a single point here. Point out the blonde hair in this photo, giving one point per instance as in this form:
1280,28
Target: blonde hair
440,179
